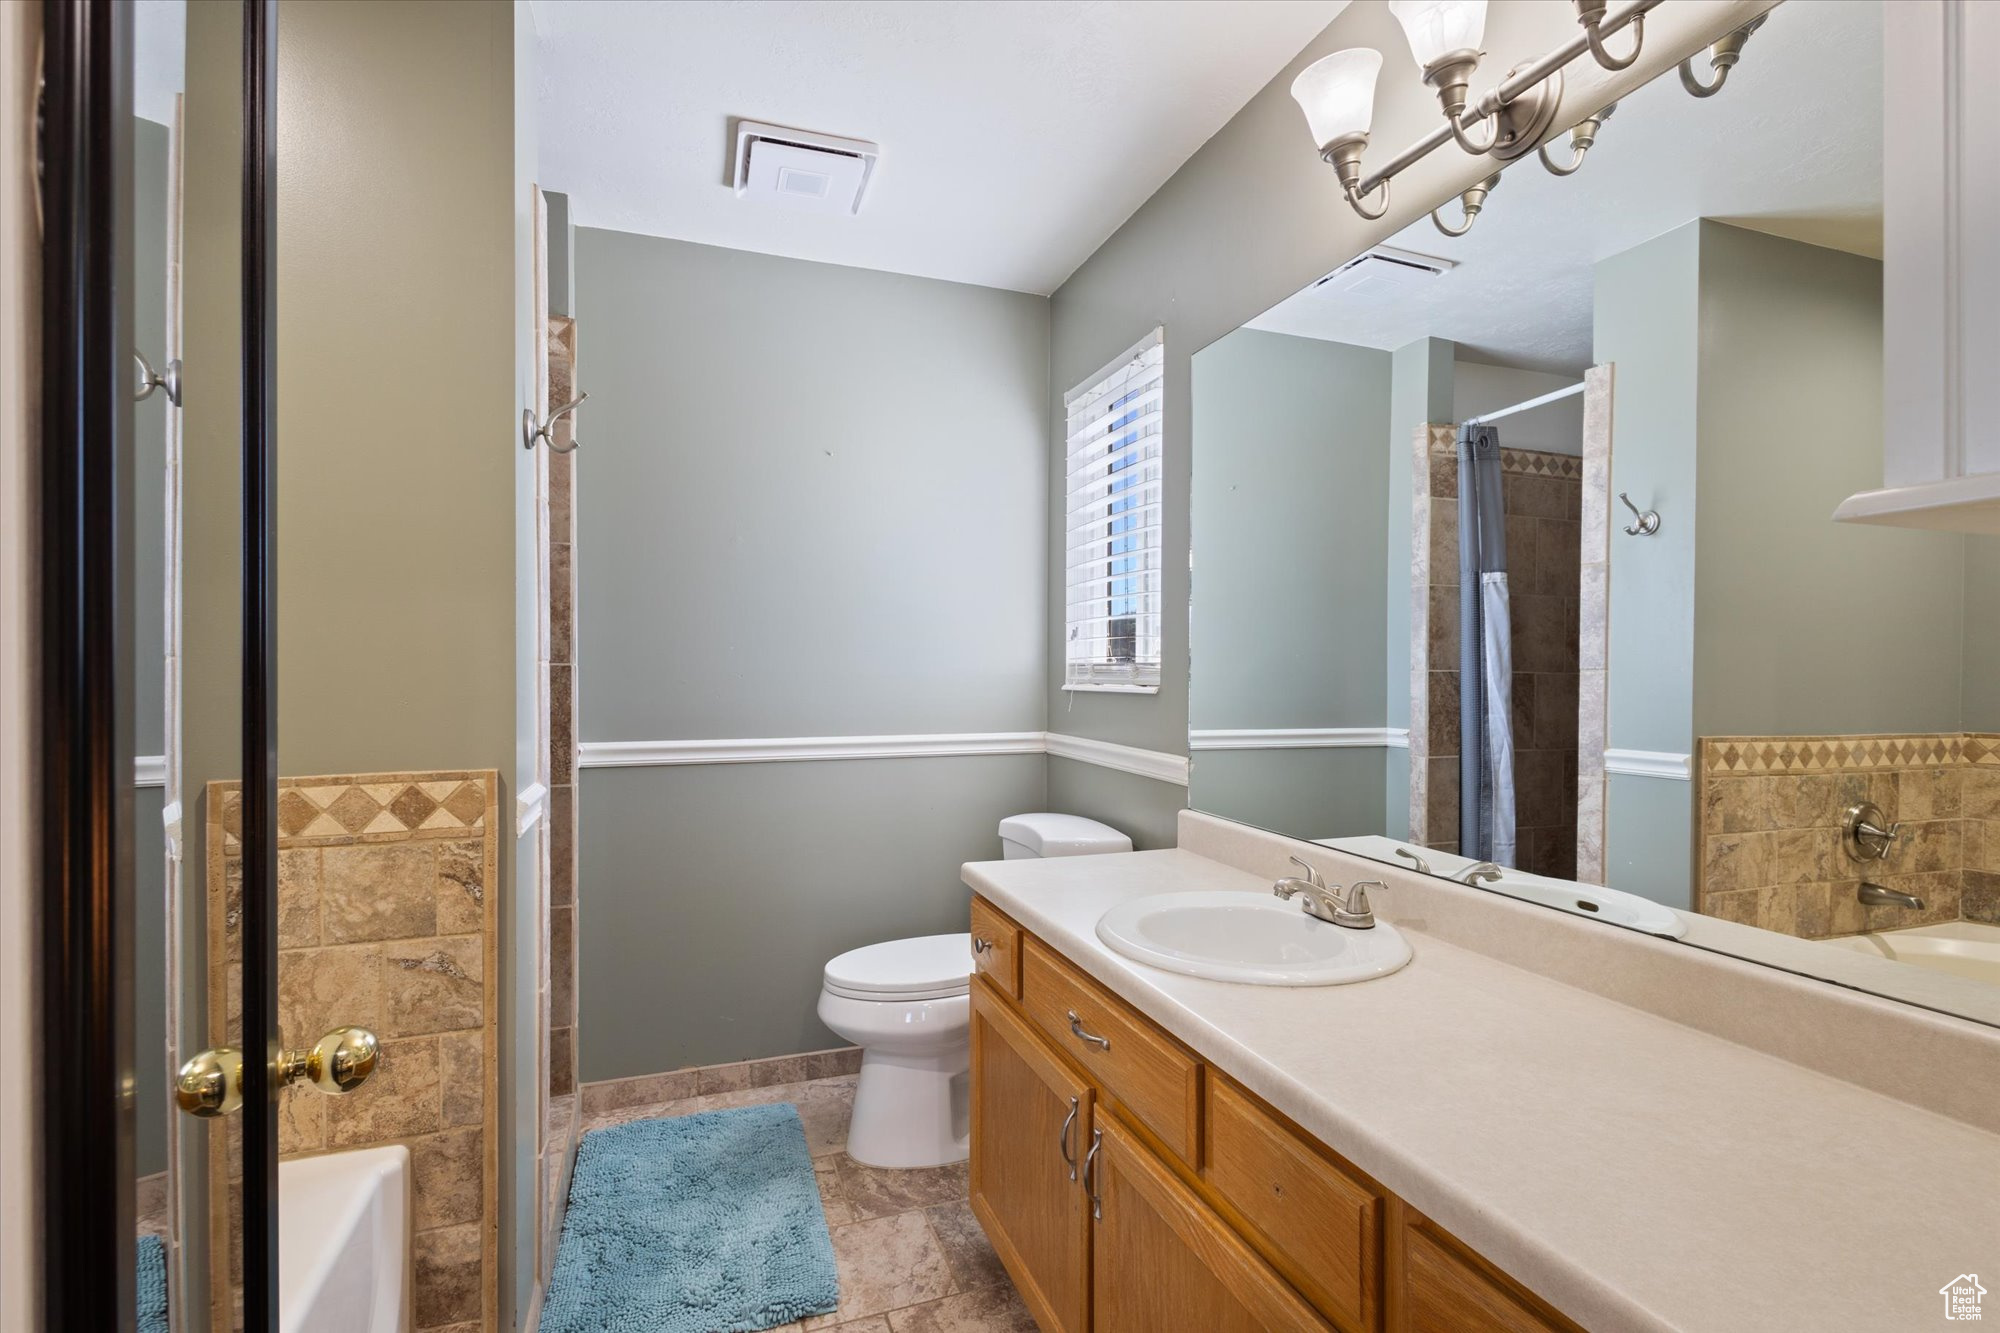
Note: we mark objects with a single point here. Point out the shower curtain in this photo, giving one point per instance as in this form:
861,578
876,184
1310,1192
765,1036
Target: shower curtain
1485,662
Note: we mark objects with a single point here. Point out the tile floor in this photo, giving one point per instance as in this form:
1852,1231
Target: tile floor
912,1258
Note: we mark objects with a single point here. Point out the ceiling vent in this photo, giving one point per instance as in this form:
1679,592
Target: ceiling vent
1384,269
799,169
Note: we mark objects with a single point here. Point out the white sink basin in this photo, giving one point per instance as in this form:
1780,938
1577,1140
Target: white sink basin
1249,938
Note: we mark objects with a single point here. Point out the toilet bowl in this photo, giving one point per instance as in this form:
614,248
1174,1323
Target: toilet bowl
907,1005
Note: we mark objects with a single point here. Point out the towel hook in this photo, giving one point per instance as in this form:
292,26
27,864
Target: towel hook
533,431
1648,519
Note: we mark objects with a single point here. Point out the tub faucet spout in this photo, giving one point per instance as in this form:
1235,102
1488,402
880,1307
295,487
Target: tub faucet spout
1876,895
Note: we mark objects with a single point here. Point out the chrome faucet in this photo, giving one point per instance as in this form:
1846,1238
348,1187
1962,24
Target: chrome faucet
1329,902
1875,895
1483,873
1421,866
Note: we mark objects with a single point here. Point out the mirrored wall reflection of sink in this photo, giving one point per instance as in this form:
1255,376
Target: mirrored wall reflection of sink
1245,937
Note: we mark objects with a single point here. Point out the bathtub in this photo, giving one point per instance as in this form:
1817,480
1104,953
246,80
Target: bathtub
1960,948
344,1242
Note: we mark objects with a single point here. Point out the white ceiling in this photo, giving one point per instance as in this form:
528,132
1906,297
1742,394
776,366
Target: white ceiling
1016,134
1792,145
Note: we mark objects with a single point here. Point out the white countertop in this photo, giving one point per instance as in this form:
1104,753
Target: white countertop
1636,1173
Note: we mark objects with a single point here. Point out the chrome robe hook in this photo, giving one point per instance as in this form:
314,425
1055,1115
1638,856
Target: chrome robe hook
1648,519
533,431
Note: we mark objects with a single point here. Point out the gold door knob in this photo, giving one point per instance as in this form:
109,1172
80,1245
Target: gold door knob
211,1084
338,1063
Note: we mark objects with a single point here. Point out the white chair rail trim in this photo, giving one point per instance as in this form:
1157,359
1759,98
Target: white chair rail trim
149,770
795,749
1155,764
791,749
1650,764
1303,738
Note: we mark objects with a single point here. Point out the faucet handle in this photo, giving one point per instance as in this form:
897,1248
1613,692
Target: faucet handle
1312,875
1357,896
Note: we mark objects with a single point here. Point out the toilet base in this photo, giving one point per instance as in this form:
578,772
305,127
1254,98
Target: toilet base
912,1110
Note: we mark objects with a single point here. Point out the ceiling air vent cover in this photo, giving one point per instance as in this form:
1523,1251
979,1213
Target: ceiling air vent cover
815,172
1384,269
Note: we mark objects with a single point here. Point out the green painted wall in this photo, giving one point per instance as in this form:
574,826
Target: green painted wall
1647,320
810,504
1803,625
1289,524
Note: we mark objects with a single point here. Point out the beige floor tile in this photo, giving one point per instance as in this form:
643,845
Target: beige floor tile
874,1191
988,1310
885,1264
966,1249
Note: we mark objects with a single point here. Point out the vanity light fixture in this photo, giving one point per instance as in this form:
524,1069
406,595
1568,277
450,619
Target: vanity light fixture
1337,94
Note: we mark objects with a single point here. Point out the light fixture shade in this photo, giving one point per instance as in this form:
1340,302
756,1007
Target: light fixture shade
1436,28
1337,93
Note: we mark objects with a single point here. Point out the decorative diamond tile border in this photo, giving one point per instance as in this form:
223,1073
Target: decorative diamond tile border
1751,756
1538,463
367,807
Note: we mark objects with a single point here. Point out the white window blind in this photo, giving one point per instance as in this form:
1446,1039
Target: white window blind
1112,558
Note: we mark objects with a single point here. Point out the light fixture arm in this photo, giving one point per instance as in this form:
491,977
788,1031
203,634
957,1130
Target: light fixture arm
1450,74
1722,58
1590,13
1470,203
1344,156
1580,140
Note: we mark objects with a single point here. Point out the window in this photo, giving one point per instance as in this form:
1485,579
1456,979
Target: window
1112,557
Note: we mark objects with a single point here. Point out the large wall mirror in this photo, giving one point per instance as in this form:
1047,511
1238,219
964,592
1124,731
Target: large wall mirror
1515,559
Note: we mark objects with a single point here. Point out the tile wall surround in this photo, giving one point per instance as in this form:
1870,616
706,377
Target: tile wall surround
1541,499
387,919
1593,617
707,1080
1771,807
1434,638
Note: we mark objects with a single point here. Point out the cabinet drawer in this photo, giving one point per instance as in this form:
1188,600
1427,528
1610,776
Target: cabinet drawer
1321,1226
996,948
1146,1071
1448,1289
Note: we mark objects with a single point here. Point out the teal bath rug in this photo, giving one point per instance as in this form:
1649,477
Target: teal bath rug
705,1223
152,1286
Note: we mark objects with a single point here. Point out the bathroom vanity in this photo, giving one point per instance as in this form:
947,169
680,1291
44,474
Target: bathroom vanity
1128,1183
1515,1131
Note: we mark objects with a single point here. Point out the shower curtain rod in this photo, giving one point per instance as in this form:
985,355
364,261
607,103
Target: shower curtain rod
1485,417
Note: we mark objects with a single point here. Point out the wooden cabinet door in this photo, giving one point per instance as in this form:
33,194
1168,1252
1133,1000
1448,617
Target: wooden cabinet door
1160,1259
1031,1121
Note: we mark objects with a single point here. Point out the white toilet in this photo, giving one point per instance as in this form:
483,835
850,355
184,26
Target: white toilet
905,1004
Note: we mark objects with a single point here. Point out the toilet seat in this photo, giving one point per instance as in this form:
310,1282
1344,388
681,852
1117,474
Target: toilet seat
927,967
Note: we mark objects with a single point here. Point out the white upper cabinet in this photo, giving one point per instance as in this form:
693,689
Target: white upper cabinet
1941,270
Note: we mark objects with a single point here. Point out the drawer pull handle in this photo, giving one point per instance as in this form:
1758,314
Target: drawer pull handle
1077,1030
1090,1175
979,945
1062,1141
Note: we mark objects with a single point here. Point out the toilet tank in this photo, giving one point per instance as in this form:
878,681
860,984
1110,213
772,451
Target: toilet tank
1023,836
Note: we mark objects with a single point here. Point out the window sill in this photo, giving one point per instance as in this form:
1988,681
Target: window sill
1106,688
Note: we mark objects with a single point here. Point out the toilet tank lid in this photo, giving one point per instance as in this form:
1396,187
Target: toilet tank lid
1050,834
